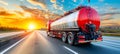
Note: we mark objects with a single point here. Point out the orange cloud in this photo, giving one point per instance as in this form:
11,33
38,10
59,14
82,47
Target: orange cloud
53,1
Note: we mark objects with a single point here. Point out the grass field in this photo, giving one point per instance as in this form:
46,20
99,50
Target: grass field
6,31
111,34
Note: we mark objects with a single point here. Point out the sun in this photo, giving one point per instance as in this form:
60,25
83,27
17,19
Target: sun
32,27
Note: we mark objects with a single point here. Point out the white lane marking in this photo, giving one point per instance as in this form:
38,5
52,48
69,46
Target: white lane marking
70,50
12,46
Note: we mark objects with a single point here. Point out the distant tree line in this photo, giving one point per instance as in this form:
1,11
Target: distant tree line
10,29
109,30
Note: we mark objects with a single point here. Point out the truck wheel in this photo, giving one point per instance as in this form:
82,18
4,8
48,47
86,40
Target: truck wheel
48,33
64,37
71,38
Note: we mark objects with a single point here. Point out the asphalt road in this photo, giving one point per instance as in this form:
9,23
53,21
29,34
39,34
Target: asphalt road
37,42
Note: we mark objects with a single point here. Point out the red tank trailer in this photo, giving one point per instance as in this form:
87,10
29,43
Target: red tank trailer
80,25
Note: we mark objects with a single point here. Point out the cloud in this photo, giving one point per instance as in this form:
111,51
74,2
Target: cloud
53,1
4,3
36,2
57,7
74,0
60,8
112,13
17,6
111,8
4,13
62,1
2,9
54,4
110,24
108,16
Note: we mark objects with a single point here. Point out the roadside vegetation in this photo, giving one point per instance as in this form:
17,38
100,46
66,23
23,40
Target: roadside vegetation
110,32
8,29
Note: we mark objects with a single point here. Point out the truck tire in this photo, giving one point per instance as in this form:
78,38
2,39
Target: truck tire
64,37
71,38
50,34
47,33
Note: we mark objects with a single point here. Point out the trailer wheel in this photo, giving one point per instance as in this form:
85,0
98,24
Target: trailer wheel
48,33
64,37
71,38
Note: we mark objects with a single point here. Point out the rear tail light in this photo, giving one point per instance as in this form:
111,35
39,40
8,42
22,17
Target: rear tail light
100,38
81,37
81,41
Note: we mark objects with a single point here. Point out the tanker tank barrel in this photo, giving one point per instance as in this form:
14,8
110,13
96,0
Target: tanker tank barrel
76,26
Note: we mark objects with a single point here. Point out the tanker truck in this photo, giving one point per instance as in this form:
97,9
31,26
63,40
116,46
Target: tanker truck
80,25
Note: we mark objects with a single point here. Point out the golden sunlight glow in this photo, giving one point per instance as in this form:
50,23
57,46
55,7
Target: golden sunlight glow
32,27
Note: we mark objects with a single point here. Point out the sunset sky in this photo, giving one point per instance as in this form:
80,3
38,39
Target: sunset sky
12,15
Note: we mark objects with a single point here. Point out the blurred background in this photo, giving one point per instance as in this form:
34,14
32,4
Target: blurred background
33,14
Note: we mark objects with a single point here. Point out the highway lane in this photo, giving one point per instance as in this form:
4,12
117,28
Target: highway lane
5,37
38,43
9,38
